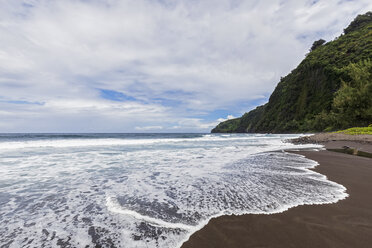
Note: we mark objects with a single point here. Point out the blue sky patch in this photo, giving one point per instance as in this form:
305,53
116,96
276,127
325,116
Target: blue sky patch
220,113
117,96
24,102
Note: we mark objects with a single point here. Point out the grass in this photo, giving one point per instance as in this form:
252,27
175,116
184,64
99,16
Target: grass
357,130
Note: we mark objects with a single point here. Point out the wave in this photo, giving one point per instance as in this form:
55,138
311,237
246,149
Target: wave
114,206
78,141
155,195
339,193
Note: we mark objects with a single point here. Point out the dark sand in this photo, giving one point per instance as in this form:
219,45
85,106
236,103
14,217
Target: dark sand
347,223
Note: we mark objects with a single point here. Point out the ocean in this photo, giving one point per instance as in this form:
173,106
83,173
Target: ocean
145,190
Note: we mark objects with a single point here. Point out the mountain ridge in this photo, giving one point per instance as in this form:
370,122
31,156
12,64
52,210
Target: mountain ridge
329,90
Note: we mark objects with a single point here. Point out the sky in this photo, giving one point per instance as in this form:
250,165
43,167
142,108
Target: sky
152,65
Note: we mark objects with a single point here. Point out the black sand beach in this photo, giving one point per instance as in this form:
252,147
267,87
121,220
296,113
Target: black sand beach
347,223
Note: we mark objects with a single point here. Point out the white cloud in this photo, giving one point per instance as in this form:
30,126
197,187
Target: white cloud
177,60
228,117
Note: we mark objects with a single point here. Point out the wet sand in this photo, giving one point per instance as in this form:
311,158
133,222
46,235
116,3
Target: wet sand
347,223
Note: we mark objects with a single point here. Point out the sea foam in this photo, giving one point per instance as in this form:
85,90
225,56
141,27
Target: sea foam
147,192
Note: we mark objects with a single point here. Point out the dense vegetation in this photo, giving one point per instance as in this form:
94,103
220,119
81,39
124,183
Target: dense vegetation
331,88
357,130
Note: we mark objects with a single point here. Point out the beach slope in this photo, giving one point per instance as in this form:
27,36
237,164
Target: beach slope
347,223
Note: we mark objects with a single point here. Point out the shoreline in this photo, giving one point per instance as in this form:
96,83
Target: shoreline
346,223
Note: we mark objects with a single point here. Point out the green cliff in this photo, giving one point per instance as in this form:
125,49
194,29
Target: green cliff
329,90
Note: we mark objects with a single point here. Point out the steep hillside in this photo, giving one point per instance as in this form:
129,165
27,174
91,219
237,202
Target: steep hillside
330,89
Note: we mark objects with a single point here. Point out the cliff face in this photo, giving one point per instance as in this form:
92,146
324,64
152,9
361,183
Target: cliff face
316,95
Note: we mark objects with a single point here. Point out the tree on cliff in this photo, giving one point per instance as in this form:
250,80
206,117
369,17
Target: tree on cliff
317,44
353,101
